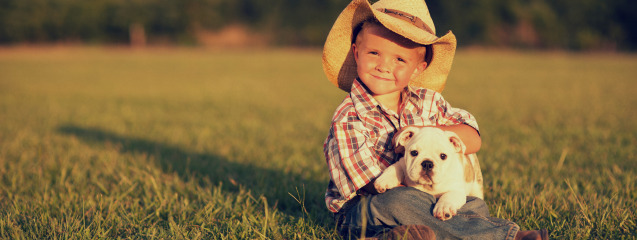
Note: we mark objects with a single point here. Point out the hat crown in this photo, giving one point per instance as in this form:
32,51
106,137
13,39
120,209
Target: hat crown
411,8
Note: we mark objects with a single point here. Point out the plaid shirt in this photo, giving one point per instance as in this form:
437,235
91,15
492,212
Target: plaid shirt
359,147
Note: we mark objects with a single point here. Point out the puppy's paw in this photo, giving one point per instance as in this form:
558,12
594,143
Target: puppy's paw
445,210
386,181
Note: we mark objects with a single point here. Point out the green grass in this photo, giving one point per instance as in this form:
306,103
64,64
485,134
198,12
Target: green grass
200,144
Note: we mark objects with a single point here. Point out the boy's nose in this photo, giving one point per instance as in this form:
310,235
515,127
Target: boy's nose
383,65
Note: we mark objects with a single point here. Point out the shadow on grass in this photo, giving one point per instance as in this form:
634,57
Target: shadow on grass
275,185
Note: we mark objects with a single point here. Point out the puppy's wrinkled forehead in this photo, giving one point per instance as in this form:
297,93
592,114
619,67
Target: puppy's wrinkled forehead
429,138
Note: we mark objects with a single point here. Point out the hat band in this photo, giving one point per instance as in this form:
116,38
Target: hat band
408,17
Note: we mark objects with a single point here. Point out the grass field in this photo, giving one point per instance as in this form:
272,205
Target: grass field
201,144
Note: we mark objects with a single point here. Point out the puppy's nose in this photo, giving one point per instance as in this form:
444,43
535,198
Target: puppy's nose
427,165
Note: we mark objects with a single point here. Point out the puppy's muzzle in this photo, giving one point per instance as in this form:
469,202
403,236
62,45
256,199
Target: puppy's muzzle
427,165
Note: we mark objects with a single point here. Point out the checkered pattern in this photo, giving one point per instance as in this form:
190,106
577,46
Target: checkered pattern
359,147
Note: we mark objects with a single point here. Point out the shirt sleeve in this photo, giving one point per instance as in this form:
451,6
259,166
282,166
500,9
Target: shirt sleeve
448,115
350,157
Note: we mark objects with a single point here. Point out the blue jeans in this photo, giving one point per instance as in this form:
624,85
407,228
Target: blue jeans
409,206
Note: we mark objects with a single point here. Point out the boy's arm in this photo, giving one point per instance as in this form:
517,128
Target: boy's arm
353,163
467,134
460,122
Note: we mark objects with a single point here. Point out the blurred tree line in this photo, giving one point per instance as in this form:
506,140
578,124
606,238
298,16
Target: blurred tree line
549,24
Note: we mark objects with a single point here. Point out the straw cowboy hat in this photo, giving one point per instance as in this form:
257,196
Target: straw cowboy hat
408,18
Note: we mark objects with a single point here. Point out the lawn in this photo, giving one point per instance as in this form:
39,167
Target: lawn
188,143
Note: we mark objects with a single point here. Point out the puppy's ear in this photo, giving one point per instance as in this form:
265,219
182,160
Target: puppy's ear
402,137
456,142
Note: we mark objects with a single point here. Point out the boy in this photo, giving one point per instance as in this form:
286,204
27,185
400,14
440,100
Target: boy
390,60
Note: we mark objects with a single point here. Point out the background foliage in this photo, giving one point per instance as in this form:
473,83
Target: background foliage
563,24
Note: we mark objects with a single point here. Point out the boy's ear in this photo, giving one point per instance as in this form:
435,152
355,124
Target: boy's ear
419,69
354,52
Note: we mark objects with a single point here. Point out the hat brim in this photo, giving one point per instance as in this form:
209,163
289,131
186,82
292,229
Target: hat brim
338,58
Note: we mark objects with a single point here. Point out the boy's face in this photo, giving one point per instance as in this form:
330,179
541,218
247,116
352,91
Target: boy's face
385,61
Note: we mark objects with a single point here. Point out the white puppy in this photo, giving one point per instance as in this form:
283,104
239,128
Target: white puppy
434,161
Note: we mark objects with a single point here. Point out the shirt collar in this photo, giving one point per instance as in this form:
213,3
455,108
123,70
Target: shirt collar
362,98
414,96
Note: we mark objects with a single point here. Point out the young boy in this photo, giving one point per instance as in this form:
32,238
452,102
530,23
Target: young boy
389,59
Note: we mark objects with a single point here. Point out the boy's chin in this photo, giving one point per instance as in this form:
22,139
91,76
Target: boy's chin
384,88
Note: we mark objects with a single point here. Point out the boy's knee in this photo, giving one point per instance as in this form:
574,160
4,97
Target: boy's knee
400,206
475,205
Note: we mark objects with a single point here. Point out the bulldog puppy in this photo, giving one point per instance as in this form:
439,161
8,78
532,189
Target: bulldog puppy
434,162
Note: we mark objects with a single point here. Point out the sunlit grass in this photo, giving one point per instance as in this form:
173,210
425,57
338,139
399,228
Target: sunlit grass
199,144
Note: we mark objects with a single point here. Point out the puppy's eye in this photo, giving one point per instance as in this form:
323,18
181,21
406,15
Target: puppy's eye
443,156
414,153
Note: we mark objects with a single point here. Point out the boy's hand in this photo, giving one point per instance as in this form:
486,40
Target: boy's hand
369,188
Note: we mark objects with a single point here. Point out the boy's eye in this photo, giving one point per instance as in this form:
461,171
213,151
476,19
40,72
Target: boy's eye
373,53
400,59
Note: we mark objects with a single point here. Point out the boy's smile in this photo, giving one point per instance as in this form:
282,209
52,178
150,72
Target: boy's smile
386,62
